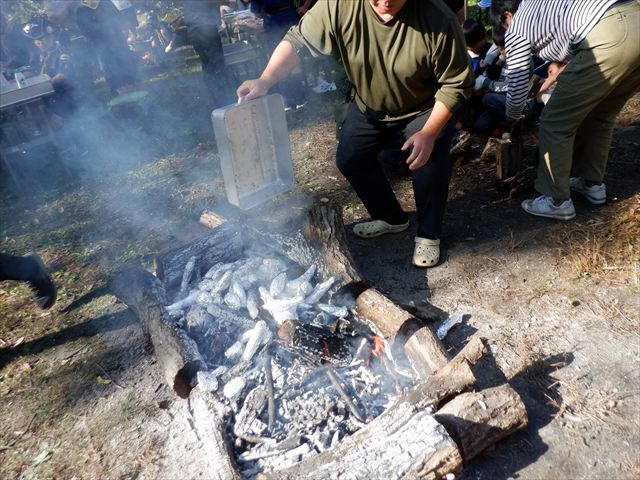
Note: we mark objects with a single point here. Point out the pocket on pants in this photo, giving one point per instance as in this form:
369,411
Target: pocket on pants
610,32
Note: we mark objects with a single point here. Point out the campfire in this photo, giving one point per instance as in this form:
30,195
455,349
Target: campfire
293,368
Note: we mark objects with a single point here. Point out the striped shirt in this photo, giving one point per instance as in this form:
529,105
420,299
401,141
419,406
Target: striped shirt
552,30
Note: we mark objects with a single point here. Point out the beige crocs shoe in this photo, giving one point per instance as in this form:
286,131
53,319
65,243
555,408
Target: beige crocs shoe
375,228
426,253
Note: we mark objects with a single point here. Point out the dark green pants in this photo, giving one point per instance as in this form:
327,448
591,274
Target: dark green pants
577,123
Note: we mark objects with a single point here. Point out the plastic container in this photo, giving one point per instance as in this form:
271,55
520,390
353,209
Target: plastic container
255,156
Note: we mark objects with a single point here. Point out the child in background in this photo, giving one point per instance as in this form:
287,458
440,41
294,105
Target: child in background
492,119
477,44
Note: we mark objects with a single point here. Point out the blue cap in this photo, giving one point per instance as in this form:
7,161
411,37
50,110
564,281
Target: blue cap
484,3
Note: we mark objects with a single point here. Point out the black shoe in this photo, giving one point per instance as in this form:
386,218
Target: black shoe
43,288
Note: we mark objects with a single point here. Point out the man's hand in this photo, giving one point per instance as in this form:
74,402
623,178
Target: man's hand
553,71
251,89
422,143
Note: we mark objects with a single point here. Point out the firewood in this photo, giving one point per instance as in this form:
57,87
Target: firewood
403,442
209,414
477,420
177,354
507,153
223,244
400,328
317,239
211,219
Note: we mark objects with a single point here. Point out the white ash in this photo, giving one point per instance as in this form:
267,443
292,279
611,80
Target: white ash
233,388
233,316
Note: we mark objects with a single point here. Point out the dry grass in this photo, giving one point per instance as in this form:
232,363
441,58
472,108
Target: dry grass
578,403
608,248
631,466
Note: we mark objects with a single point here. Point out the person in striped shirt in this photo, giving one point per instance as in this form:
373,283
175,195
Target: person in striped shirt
594,47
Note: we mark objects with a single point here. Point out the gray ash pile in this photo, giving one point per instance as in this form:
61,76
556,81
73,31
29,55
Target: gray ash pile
297,368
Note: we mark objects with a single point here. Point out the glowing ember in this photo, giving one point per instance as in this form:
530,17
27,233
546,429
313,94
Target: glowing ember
378,345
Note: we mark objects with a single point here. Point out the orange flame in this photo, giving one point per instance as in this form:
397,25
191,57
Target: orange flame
378,345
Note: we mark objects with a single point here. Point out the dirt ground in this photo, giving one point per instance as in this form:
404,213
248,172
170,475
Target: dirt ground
81,397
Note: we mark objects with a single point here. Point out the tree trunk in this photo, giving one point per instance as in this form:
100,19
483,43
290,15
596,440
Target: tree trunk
177,354
317,238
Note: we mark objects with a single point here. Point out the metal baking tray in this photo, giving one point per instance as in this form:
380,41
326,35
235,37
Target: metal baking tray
255,156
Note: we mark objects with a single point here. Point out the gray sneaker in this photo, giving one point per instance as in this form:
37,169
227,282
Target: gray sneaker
596,194
543,206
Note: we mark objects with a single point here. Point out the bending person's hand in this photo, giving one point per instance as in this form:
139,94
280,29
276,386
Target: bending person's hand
283,61
421,144
251,89
553,71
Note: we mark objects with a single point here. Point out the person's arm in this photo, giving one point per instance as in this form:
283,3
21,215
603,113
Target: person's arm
283,61
519,72
455,79
313,33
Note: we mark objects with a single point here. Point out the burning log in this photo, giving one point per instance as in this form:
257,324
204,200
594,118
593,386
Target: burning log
477,420
403,442
401,329
177,354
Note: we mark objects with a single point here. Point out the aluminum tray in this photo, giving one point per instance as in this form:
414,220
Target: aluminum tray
253,142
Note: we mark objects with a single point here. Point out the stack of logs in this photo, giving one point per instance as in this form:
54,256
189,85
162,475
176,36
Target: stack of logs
432,429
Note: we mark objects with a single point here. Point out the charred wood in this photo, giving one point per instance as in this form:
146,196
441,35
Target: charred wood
223,244
271,401
315,342
209,415
404,442
345,396
177,354
319,239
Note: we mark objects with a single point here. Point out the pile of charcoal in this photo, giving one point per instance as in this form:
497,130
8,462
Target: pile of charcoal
296,366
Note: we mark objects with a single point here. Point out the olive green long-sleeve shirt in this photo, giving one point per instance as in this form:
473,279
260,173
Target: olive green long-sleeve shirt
397,68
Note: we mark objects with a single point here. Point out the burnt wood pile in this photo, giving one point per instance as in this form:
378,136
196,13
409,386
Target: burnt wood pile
295,369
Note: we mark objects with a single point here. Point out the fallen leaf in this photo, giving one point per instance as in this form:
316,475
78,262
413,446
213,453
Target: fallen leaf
19,342
102,381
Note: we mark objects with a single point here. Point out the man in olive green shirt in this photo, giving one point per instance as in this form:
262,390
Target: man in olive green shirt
407,62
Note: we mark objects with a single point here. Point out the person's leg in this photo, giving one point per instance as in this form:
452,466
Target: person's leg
13,267
208,45
493,114
358,146
604,62
29,269
431,186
